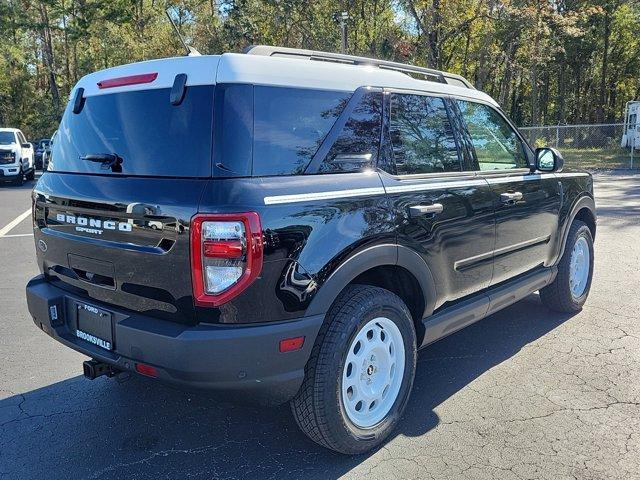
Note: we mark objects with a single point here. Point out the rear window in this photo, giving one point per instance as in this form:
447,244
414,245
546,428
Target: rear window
150,135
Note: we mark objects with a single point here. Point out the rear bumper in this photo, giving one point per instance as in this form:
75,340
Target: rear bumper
234,359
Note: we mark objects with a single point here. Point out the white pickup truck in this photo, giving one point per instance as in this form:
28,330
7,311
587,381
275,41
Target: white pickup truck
16,156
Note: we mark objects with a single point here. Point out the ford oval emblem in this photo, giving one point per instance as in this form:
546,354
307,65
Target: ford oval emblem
42,245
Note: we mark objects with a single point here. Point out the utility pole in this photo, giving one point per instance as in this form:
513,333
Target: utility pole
343,18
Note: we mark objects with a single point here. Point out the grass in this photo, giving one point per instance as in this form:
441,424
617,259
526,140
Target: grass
599,158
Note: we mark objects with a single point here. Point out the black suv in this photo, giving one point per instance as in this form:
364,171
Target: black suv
42,150
289,225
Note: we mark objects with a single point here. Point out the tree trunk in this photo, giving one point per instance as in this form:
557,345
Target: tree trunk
45,33
482,72
505,86
602,98
534,74
434,37
577,111
67,68
465,62
560,109
544,97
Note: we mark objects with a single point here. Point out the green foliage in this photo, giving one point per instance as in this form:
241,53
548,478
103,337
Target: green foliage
546,61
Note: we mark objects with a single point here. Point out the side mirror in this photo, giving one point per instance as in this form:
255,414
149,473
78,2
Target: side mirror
549,160
26,145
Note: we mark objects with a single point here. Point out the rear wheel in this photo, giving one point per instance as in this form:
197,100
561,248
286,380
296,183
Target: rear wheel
570,289
361,370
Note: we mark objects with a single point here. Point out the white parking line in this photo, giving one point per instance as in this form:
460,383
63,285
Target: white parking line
18,235
14,223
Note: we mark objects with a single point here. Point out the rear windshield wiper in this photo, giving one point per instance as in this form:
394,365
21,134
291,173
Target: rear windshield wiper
107,161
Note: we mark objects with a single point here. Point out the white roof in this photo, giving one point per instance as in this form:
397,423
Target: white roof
266,70
9,130
200,70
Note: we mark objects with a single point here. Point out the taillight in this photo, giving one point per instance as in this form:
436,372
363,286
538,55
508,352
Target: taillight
226,255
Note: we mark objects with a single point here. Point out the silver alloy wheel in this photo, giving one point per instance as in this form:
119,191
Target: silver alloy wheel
372,373
579,266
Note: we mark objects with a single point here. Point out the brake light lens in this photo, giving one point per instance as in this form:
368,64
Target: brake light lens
129,80
224,249
226,255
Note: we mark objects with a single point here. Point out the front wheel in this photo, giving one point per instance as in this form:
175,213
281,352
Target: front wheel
19,181
31,175
570,289
358,379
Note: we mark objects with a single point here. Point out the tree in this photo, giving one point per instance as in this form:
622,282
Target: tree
546,61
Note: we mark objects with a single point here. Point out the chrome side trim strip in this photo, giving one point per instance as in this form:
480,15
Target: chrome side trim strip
573,174
473,261
330,195
415,187
535,176
519,178
357,192
421,187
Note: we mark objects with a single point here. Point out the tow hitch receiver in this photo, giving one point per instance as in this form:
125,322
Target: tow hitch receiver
94,369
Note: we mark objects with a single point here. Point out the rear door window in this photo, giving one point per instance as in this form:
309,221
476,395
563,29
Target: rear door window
421,134
150,135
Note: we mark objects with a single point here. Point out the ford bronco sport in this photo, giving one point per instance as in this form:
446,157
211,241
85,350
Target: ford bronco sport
289,225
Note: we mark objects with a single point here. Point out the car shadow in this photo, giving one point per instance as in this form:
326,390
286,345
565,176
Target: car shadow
27,185
140,429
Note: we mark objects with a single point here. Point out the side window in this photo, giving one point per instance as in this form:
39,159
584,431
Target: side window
496,144
21,138
233,127
289,126
357,144
421,135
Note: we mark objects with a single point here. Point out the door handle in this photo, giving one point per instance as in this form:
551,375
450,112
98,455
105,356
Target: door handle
419,210
510,197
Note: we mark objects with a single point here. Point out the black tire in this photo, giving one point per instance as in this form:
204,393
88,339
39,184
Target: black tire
318,407
557,296
19,181
31,175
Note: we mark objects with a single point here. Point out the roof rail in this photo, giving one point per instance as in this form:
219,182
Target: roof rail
429,73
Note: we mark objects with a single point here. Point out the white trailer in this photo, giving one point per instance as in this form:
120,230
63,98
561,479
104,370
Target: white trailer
631,133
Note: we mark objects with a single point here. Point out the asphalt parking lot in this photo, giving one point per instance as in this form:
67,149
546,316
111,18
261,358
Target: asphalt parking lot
523,394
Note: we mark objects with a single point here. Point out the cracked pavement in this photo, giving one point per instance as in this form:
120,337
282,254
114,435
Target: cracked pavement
524,394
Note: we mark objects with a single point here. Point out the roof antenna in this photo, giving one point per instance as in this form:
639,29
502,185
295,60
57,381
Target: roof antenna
191,52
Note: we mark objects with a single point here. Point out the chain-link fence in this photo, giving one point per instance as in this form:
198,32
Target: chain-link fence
591,147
